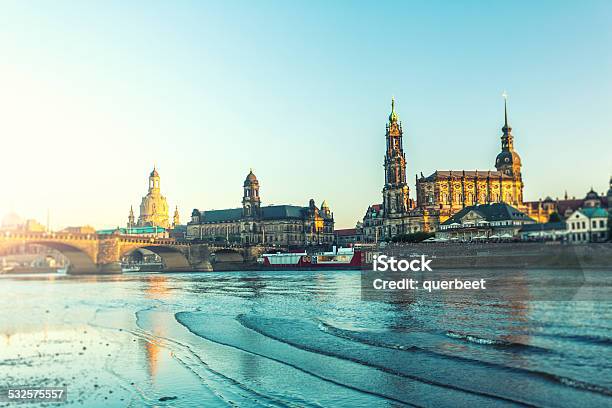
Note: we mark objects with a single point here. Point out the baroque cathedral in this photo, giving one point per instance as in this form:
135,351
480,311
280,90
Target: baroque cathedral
153,208
252,223
441,194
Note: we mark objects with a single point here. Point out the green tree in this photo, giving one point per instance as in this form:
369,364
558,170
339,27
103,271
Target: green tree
555,217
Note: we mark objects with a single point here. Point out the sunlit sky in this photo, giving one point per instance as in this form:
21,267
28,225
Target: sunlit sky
92,94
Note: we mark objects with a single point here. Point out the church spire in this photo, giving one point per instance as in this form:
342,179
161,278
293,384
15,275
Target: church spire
506,129
508,161
131,220
395,190
393,117
175,219
507,138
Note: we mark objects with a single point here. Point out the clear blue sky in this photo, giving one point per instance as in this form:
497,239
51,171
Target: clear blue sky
92,94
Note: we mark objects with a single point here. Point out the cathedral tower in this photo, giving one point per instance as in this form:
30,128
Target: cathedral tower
250,200
395,192
508,161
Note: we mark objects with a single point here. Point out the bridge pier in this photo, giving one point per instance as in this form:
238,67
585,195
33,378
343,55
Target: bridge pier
110,268
204,266
103,269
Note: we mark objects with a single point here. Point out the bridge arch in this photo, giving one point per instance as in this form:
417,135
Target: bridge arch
80,261
228,255
173,258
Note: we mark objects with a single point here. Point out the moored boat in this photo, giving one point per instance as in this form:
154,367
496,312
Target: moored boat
341,258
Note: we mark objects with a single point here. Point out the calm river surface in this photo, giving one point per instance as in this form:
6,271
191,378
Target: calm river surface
296,339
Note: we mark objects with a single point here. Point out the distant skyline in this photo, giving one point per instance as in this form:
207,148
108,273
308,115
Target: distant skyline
93,94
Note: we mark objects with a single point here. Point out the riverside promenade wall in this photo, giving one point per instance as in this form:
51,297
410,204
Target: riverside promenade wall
508,255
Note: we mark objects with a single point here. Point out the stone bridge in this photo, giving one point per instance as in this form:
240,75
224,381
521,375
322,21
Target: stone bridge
93,253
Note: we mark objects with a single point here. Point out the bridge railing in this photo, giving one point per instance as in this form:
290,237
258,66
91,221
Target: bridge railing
25,235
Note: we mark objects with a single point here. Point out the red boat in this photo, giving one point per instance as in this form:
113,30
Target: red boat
342,258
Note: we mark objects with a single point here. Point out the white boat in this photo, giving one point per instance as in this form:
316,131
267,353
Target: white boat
337,258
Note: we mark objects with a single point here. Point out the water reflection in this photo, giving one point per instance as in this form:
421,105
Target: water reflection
301,338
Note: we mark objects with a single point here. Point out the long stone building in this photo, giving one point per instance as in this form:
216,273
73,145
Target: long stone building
286,225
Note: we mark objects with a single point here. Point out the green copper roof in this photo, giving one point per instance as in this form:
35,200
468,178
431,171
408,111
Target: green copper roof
272,212
134,230
227,215
596,212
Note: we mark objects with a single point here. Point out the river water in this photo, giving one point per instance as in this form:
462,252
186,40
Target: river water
296,339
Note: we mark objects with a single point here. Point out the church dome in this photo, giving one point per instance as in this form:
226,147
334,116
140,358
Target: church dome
12,221
154,173
154,205
250,179
592,195
507,158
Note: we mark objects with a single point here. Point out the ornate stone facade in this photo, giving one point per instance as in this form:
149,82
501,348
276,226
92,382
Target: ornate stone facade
153,208
441,194
448,192
285,225
396,200
373,223
398,213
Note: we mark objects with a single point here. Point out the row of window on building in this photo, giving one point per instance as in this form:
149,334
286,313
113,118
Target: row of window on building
470,198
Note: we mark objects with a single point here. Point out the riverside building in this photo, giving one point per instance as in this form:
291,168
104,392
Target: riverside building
441,194
484,222
286,225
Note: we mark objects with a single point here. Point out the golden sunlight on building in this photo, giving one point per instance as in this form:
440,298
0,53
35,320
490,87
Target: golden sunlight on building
153,208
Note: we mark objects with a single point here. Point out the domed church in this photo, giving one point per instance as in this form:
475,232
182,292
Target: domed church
153,208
